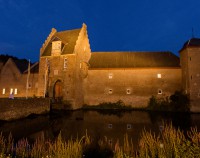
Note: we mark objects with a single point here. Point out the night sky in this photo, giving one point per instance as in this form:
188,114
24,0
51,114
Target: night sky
113,25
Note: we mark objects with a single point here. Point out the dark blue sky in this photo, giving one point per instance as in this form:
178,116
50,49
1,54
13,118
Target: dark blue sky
113,25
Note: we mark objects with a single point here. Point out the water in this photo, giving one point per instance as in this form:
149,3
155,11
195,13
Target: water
100,125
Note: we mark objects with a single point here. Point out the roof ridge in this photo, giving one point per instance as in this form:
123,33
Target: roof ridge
68,30
53,31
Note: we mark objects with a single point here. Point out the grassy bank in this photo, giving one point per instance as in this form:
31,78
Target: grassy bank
170,142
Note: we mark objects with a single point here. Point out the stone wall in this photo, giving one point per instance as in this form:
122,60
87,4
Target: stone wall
133,86
11,109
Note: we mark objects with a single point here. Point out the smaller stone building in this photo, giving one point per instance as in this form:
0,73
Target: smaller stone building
13,78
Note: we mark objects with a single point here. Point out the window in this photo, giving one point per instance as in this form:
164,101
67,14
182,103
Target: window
109,125
11,90
110,75
4,91
55,72
128,91
110,91
159,76
110,141
190,58
129,126
15,91
160,91
36,85
65,63
191,77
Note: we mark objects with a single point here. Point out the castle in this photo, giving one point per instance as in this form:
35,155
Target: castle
67,70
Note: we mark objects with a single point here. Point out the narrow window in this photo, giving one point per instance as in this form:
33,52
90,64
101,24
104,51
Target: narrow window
128,91
159,76
15,91
160,91
11,90
110,142
110,75
109,125
65,63
129,126
110,91
55,72
190,58
191,77
4,91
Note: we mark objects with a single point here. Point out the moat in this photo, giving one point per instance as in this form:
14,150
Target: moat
112,125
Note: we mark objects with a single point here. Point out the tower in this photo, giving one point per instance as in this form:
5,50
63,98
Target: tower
63,66
190,65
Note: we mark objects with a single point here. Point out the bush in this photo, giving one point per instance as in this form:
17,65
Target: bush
108,105
176,102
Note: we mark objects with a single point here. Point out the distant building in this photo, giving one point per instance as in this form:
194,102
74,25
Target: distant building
69,71
13,79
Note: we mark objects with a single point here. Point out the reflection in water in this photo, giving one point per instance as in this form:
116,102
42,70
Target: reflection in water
109,125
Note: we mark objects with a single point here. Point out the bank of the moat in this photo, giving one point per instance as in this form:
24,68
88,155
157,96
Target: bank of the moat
12,109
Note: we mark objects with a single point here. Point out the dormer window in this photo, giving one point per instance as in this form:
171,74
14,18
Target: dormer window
56,48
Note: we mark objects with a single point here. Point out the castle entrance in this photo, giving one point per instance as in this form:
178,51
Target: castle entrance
57,91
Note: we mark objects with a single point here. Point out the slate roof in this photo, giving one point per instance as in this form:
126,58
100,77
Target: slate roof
133,59
193,42
68,38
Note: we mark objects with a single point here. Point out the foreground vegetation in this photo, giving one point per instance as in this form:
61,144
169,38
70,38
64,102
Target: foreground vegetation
169,143
176,102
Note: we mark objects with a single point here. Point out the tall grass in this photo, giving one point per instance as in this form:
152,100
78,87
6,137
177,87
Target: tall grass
169,143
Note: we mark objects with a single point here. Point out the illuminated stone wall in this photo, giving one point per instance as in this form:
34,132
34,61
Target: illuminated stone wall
133,86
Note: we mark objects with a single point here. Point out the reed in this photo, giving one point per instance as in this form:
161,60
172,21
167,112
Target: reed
170,142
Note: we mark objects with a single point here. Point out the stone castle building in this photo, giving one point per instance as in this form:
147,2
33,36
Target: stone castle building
67,70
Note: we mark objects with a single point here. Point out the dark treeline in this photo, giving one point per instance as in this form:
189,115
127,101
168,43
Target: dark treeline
5,57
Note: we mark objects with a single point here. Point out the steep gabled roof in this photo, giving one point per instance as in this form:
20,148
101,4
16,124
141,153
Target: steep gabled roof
22,65
133,59
193,42
68,38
